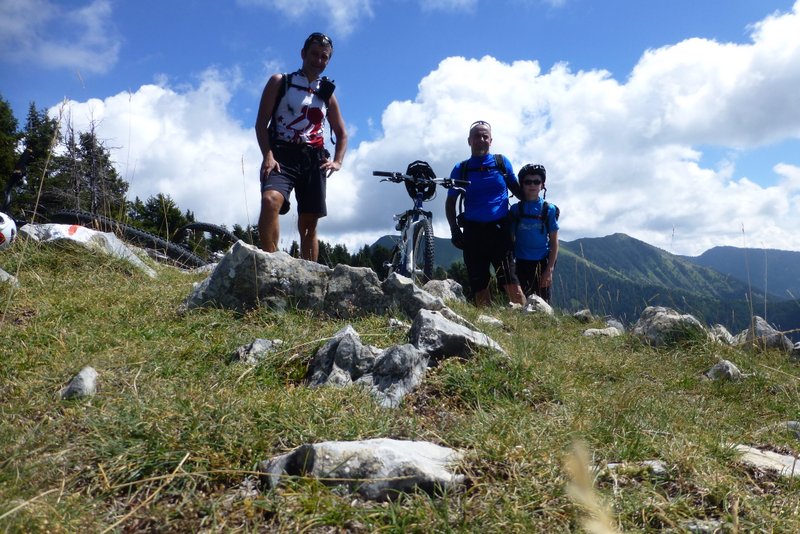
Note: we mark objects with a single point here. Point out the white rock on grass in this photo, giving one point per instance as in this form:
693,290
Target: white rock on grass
103,242
377,469
784,464
488,320
536,304
724,370
602,332
8,279
84,384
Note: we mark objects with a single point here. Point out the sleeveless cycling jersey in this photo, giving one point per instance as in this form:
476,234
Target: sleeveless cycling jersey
300,114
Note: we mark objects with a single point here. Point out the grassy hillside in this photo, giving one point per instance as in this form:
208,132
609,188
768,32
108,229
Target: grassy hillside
175,427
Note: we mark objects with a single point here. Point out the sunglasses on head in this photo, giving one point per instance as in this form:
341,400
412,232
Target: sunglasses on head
318,38
532,182
480,123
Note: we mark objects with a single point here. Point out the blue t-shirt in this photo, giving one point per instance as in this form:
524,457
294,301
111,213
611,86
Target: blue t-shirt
486,196
531,239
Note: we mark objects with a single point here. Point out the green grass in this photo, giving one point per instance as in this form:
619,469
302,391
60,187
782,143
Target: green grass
175,427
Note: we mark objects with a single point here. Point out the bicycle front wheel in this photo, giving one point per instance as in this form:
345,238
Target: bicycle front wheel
422,261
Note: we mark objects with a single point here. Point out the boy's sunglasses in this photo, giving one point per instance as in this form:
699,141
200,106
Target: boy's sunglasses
531,182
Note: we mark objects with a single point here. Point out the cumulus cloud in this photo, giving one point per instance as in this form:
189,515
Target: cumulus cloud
622,156
48,34
344,14
179,142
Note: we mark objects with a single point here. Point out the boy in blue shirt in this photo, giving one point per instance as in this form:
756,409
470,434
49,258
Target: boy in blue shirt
534,228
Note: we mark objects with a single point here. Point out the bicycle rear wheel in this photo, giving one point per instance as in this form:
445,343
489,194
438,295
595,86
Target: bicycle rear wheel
423,252
206,240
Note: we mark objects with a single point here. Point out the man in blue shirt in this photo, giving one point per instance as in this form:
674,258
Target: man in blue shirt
485,240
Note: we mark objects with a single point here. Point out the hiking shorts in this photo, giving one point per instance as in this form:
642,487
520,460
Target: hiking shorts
485,245
299,172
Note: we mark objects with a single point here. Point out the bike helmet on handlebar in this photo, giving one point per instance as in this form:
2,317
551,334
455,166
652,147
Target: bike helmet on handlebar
420,169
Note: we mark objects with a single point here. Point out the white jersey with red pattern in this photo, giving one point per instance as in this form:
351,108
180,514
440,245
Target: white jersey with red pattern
300,114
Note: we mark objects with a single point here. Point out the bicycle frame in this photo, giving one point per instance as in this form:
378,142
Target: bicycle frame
408,223
416,245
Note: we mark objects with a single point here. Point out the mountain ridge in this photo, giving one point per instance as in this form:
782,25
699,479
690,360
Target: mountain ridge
620,275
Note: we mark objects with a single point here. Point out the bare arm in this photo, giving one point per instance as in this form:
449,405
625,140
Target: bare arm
450,212
547,275
265,107
337,127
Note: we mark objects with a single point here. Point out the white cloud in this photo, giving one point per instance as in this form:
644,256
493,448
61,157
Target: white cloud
621,156
182,143
48,34
343,14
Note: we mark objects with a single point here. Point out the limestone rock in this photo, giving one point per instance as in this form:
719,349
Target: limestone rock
762,336
376,469
609,331
536,304
254,352
440,337
660,326
447,290
103,242
84,384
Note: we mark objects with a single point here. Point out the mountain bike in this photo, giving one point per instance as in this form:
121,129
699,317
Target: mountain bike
413,256
182,250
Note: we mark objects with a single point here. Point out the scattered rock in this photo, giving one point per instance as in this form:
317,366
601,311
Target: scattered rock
447,290
654,467
536,304
388,374
660,326
440,337
103,242
721,334
724,370
784,464
602,332
584,316
9,279
376,469
354,291
614,323
704,526
84,384
247,277
490,321
397,323
762,336
255,352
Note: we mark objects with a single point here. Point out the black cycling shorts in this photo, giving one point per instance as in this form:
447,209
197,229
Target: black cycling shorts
529,273
299,172
485,245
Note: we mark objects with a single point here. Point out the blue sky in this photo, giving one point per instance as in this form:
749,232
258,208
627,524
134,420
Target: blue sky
675,122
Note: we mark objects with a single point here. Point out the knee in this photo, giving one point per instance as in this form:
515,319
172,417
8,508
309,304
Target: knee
271,202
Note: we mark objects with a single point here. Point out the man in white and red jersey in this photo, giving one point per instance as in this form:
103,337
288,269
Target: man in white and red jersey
289,129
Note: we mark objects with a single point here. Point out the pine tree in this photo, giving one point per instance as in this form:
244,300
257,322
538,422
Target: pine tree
9,139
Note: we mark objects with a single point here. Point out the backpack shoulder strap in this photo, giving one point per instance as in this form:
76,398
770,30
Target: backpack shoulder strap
511,185
545,216
286,79
464,169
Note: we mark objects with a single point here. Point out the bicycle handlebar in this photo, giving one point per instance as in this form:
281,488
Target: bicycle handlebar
398,177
